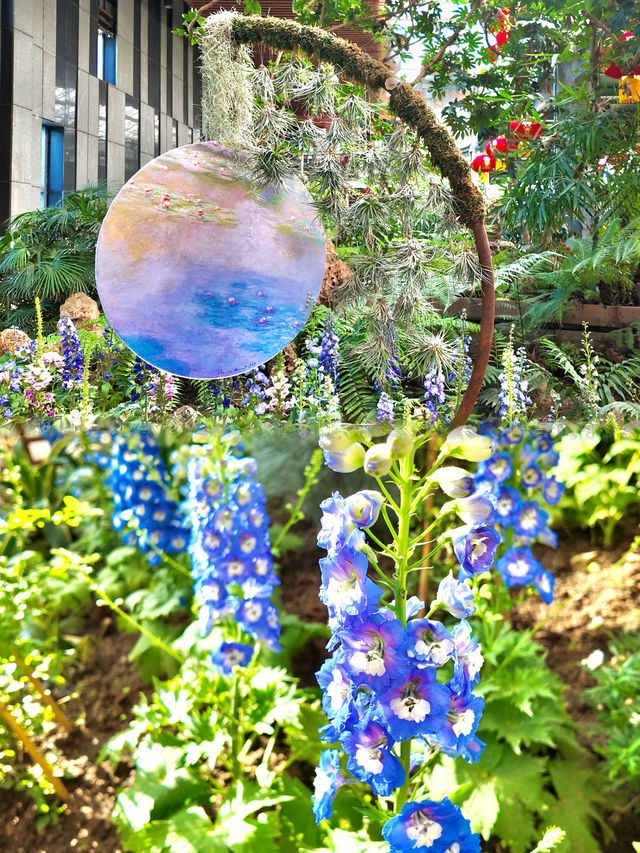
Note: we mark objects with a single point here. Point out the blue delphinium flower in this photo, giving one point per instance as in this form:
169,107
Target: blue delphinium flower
326,783
475,549
380,686
455,596
230,655
463,718
368,746
144,509
230,550
384,409
437,827
73,370
434,394
514,387
328,355
520,500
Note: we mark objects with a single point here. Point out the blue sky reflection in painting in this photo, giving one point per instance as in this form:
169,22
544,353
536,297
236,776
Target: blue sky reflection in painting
201,273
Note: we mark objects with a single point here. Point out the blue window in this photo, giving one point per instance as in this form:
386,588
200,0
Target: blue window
52,165
107,48
107,55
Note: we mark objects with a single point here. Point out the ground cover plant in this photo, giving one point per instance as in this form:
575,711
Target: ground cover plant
225,741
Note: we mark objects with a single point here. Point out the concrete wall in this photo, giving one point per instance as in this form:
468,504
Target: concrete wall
34,96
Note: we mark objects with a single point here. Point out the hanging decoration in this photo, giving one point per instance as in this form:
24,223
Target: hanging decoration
203,273
520,132
483,163
227,93
501,33
629,89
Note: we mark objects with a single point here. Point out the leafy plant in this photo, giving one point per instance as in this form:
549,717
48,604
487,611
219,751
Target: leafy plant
532,771
50,253
615,698
601,478
596,270
199,730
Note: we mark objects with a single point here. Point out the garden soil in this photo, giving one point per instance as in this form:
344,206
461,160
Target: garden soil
597,595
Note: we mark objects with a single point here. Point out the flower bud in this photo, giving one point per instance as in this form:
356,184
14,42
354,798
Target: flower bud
454,481
456,597
378,460
335,438
346,460
463,442
477,509
399,443
364,507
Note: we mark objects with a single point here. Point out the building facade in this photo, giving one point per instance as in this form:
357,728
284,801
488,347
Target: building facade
90,90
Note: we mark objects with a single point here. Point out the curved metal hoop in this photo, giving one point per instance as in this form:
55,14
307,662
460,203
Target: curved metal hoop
406,104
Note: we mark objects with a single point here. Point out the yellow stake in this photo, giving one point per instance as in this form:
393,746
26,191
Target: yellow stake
47,698
33,751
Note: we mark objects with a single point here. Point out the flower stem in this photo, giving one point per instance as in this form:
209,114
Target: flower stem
153,639
405,758
47,698
402,540
39,321
310,479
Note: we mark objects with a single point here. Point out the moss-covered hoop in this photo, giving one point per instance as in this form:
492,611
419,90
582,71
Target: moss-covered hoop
360,68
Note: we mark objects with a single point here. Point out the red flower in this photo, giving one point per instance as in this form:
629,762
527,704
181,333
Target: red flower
614,70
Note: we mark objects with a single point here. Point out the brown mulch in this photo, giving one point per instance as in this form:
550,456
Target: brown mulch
106,686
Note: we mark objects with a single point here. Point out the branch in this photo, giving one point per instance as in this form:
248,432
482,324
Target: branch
379,19
631,64
408,106
206,8
446,44
601,25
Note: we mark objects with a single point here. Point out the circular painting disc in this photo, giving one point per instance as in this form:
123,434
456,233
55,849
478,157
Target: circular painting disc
203,274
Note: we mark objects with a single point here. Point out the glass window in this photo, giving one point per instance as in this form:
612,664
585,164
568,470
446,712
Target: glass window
153,70
131,137
52,165
107,46
156,134
102,132
107,52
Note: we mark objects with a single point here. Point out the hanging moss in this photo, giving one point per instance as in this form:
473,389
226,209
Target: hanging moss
359,67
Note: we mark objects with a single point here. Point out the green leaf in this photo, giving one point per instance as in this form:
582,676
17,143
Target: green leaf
187,831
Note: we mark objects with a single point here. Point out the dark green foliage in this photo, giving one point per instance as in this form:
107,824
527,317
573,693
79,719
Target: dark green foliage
589,272
532,773
563,182
50,253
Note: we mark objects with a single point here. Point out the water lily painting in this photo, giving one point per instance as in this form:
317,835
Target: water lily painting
203,273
